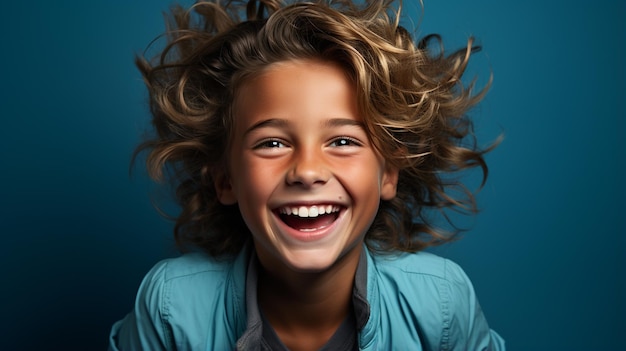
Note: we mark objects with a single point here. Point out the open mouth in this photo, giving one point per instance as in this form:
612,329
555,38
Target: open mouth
309,218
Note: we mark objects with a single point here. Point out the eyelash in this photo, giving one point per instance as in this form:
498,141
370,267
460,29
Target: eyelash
270,144
348,141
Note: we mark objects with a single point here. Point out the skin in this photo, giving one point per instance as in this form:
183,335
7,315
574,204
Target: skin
299,142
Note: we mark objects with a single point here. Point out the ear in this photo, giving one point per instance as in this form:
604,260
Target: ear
389,183
224,188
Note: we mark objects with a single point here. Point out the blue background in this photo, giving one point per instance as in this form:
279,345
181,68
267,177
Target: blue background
546,255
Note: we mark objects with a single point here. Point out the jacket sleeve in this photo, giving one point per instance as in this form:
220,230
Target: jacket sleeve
145,327
466,327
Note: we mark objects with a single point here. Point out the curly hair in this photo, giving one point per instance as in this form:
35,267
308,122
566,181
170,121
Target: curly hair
410,94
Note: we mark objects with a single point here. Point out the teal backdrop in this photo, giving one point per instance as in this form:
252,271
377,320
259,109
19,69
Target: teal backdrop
546,255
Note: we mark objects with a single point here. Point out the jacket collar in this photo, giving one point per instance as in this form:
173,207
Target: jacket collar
367,334
248,322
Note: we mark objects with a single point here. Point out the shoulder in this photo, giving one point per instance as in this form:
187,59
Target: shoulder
172,282
427,277
424,276
183,272
189,265
180,299
420,265
190,281
415,285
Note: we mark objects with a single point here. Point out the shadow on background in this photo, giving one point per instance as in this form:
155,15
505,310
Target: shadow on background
546,255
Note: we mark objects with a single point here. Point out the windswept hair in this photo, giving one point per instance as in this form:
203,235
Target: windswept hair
410,94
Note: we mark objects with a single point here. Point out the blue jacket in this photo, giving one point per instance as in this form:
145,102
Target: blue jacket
194,302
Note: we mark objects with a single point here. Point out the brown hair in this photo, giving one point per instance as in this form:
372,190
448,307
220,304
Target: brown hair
411,95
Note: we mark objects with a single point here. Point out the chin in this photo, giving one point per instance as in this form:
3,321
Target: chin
312,262
316,260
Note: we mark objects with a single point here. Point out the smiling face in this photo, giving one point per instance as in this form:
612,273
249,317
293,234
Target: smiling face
306,178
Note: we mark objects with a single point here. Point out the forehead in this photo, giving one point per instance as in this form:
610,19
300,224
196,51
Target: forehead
307,81
297,67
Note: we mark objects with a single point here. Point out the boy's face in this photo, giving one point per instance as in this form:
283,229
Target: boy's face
302,170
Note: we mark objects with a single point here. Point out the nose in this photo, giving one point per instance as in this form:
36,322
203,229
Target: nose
308,169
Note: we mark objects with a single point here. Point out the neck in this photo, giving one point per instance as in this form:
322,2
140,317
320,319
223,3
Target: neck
312,304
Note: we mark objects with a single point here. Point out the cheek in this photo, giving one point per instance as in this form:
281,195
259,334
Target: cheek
255,179
362,172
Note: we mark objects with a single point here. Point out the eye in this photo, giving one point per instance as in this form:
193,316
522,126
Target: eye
344,141
270,144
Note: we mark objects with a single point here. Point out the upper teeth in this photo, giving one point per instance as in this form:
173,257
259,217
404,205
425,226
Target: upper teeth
309,211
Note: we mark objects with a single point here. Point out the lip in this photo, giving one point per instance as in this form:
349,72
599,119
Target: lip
307,236
278,205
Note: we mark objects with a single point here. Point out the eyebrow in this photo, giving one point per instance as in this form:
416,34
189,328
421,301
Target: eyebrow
272,122
340,122
281,123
